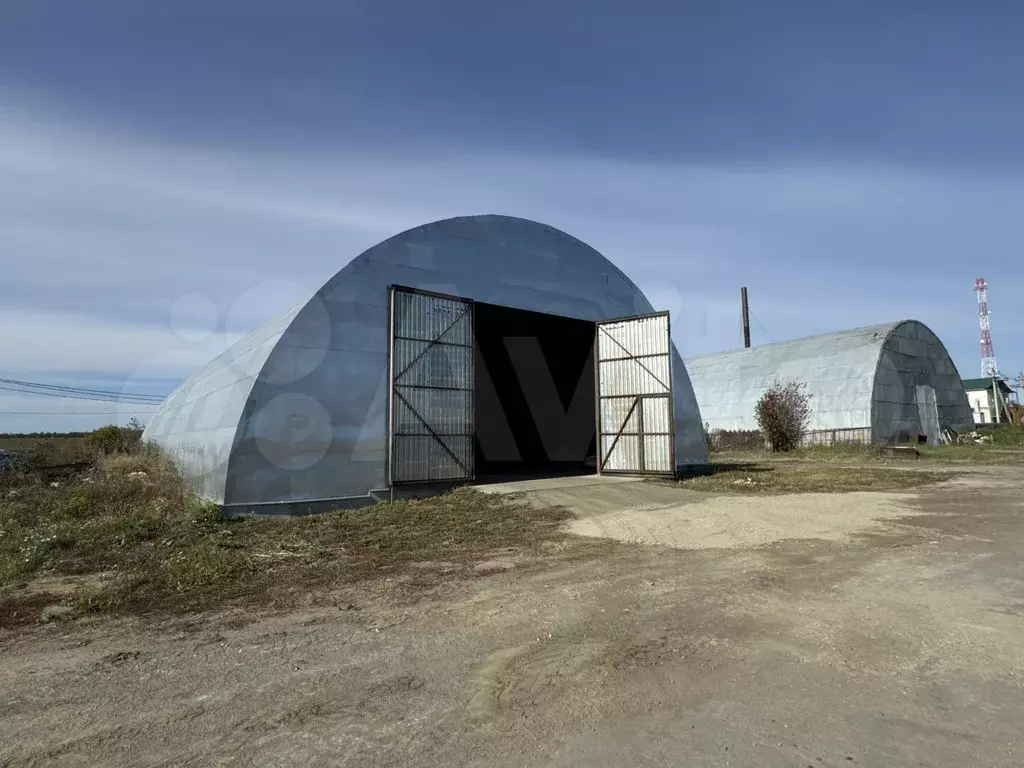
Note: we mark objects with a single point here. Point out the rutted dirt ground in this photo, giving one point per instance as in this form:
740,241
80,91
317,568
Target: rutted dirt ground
798,643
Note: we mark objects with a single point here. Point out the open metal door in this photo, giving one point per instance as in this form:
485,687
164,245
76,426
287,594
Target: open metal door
928,413
635,424
431,434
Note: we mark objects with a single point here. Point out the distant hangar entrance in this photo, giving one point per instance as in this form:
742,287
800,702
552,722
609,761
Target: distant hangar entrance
470,348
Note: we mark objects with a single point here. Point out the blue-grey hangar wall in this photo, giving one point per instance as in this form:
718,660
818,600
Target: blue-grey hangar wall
310,408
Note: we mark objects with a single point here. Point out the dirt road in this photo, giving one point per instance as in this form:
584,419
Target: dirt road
891,637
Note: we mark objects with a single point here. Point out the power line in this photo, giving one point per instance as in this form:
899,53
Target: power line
85,391
76,413
70,396
64,387
61,391
111,397
67,395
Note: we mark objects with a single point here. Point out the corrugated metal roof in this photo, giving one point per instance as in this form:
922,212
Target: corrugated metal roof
838,369
973,385
865,377
197,424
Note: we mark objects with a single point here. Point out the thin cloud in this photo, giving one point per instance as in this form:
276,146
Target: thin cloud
102,235
53,342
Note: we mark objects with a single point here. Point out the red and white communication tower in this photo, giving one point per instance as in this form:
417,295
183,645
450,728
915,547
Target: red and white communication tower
988,357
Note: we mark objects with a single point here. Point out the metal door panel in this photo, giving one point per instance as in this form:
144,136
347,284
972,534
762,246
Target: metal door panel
620,453
619,411
634,396
625,377
431,430
928,413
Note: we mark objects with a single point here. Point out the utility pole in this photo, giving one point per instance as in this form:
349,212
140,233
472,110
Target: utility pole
746,317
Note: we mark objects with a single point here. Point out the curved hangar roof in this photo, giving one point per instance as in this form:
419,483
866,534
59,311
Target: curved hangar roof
297,410
862,379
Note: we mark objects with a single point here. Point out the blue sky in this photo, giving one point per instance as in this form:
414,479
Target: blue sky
174,173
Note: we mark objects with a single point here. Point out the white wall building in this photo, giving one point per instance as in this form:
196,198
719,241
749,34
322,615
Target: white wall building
981,397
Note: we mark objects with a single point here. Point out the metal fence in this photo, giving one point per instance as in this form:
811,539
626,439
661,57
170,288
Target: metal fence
860,435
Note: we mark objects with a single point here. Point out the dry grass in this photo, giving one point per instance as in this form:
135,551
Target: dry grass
1006,447
780,477
49,451
141,543
20,443
125,464
972,454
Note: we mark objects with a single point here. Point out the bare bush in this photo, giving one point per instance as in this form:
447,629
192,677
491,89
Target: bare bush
784,413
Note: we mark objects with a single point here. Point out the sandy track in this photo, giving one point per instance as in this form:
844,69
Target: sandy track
747,521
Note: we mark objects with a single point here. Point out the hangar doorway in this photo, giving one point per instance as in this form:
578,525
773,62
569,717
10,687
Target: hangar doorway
485,391
534,407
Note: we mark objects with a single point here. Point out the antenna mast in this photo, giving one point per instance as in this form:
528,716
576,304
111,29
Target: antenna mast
989,368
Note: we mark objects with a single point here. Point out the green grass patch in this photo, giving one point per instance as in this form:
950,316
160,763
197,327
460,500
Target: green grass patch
1006,435
1000,450
984,453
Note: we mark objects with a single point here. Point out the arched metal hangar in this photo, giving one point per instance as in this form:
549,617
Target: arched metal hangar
479,346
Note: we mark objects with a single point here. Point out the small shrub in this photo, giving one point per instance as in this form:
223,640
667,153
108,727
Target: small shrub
115,439
783,413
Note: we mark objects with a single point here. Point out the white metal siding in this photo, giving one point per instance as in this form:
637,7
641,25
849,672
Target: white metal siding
838,369
981,405
859,382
